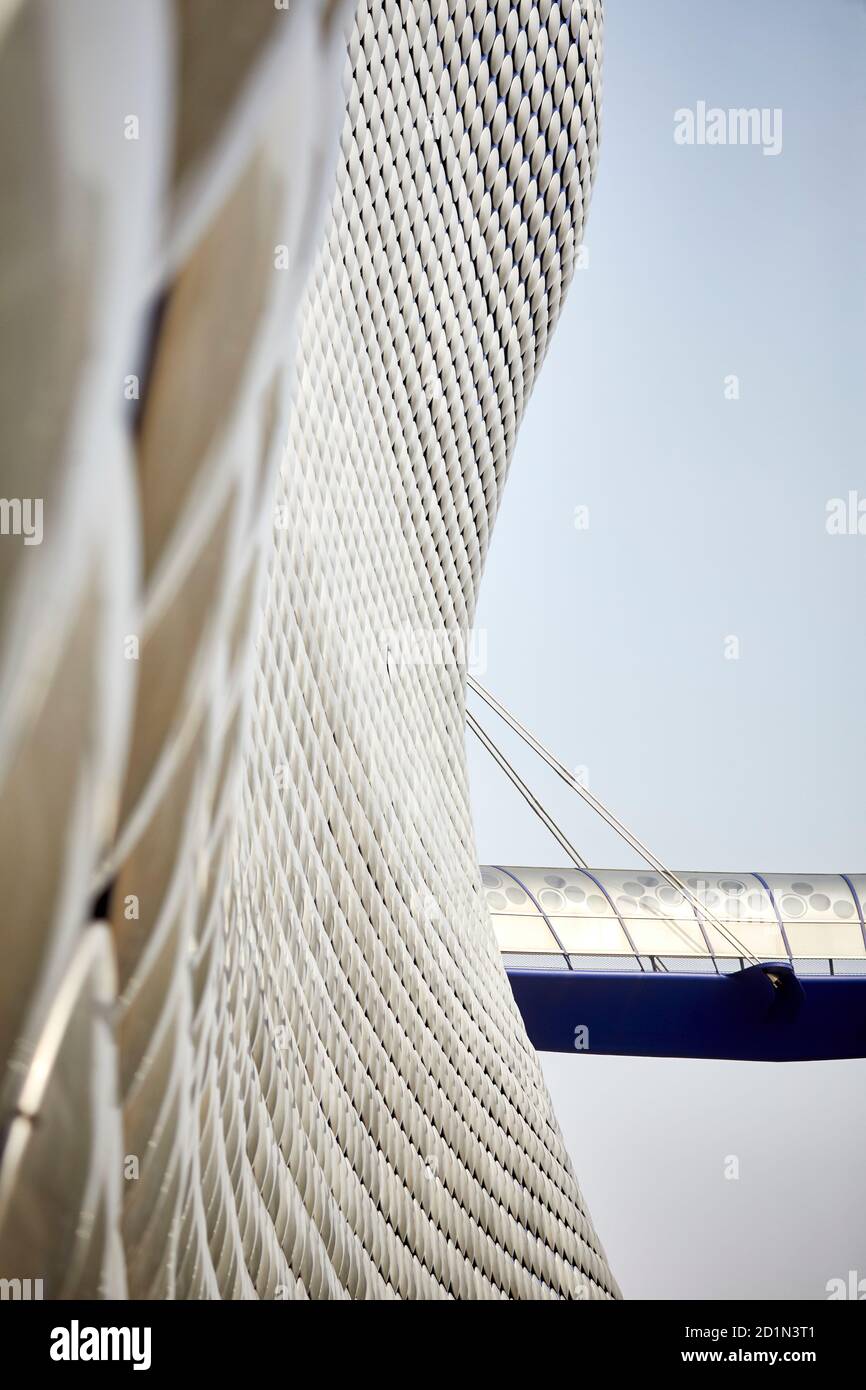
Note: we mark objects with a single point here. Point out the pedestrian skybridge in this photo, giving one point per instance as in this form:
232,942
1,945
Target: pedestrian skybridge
631,920
620,961
657,963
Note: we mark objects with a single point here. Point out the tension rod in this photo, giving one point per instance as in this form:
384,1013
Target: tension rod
668,875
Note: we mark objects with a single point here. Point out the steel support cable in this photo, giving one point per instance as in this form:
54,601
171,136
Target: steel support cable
547,820
521,786
667,874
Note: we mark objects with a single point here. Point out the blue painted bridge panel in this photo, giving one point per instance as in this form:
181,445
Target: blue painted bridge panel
765,1013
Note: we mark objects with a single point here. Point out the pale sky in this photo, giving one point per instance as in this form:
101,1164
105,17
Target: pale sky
707,522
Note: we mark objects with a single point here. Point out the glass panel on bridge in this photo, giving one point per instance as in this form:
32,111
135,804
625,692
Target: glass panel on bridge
613,915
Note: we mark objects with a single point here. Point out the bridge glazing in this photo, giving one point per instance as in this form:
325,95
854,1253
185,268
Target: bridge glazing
605,919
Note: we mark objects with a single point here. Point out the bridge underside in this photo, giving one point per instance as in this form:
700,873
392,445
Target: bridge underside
761,1014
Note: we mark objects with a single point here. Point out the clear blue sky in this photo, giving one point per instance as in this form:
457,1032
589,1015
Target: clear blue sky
707,516
707,520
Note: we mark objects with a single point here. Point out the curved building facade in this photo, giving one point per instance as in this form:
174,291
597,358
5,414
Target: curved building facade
303,1068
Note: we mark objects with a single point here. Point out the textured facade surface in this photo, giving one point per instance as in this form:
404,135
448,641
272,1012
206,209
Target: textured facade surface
283,1059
